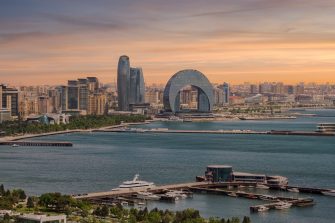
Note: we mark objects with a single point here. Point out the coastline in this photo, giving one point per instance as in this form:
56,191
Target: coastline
29,136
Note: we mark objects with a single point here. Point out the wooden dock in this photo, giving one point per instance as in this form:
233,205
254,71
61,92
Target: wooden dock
36,143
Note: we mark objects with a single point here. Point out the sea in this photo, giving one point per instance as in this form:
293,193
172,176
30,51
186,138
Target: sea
101,161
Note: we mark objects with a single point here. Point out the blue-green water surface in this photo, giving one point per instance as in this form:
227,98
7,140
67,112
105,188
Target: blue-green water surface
100,161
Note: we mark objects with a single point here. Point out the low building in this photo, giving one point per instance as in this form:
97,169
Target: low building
225,173
5,115
49,119
32,218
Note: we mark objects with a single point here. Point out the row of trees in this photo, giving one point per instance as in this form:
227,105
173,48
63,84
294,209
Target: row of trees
160,216
76,122
8,199
58,203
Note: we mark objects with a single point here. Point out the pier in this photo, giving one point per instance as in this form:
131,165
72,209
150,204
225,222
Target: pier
36,143
248,132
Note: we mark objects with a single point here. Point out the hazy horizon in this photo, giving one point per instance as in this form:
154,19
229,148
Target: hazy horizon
50,42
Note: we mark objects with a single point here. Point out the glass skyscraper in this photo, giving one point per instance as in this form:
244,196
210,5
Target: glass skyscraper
130,84
123,76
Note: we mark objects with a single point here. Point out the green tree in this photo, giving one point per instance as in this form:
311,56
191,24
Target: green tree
246,220
30,203
2,190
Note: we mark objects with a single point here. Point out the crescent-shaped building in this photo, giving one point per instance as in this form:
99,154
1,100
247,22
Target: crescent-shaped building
181,79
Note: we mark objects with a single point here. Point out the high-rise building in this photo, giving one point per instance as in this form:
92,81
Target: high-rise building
136,89
130,85
97,104
83,94
123,77
72,95
226,92
10,99
93,84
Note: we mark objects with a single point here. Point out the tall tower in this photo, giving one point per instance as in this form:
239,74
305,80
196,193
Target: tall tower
137,91
123,86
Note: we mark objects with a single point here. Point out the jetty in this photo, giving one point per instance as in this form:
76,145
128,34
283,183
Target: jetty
35,143
221,131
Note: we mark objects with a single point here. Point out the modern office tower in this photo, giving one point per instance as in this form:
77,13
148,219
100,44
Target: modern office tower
226,93
136,89
83,94
254,89
10,100
123,86
63,95
72,95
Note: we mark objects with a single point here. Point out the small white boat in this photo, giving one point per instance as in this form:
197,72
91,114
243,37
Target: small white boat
261,186
267,197
262,209
15,145
148,196
177,194
293,189
232,194
283,205
329,193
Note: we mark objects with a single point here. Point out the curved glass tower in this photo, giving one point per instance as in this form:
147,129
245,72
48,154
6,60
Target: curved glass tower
137,91
171,97
123,78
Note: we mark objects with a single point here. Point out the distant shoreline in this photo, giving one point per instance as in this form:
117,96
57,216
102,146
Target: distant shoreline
29,136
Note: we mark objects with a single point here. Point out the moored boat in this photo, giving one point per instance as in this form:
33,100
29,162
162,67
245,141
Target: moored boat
135,184
261,186
148,196
329,193
283,205
262,208
293,189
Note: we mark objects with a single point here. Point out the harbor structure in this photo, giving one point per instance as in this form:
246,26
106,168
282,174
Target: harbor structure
225,173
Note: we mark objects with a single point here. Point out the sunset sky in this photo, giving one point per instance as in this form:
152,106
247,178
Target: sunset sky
51,41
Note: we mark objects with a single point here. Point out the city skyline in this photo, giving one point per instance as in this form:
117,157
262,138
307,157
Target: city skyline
259,40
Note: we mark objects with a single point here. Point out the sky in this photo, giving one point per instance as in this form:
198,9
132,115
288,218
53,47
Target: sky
51,41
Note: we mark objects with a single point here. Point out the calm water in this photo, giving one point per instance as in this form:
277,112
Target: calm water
100,161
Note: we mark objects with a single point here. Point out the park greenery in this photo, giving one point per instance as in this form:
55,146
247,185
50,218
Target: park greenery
10,128
82,211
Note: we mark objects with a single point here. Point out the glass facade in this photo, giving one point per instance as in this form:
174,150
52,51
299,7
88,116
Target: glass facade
184,78
123,77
